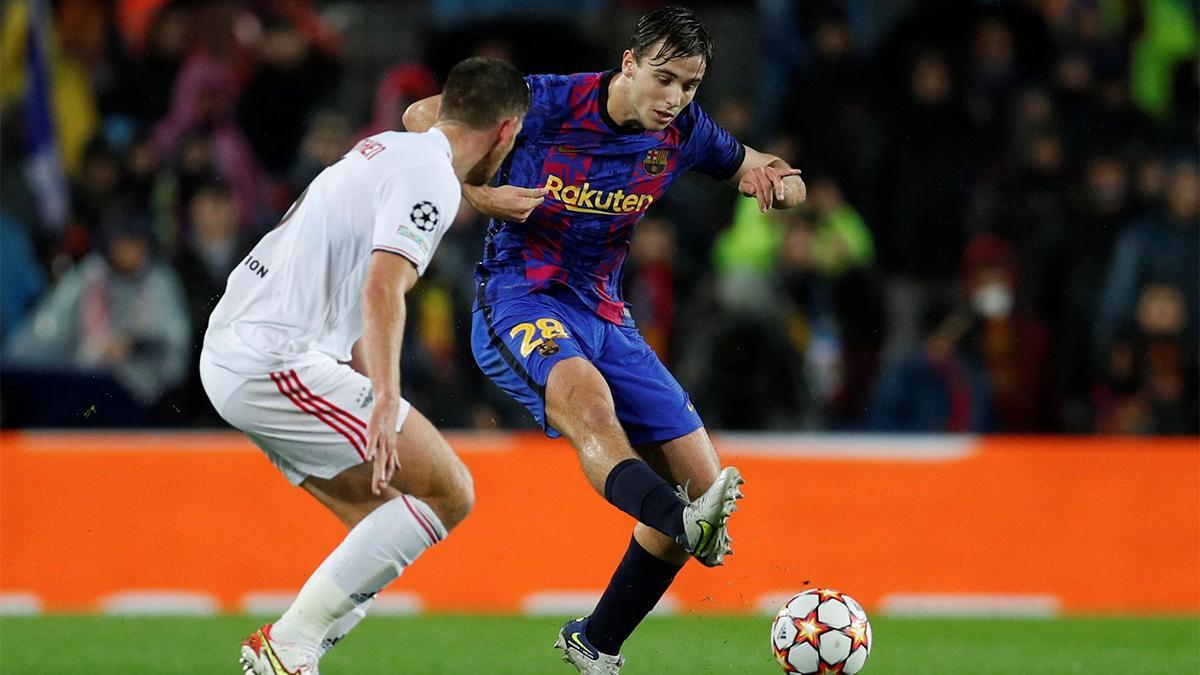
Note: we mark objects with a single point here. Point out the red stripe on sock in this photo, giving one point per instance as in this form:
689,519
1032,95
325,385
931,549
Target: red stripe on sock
424,525
422,515
349,417
279,380
324,406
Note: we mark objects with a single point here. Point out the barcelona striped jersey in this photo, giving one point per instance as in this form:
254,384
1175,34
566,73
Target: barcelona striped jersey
600,179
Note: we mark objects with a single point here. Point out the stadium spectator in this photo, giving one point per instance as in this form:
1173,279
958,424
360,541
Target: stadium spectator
157,62
806,311
94,193
327,138
990,86
202,107
121,311
841,241
739,364
290,79
1032,193
1116,396
1169,361
921,188
1149,182
432,361
1009,341
842,250
1149,385
750,243
1162,246
826,103
924,174
1077,263
650,280
938,387
210,252
203,260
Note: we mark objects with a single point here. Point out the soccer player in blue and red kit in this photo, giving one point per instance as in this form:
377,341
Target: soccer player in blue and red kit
596,151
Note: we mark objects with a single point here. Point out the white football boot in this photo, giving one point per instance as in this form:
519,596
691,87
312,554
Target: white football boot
705,535
262,655
578,651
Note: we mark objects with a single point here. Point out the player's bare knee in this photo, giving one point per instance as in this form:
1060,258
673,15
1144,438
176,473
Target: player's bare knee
578,398
593,410
455,497
584,414
462,500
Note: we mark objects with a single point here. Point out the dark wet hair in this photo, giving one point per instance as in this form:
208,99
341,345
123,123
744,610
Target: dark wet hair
681,32
480,92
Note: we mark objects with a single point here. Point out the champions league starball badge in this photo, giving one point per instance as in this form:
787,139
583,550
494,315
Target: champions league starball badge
424,215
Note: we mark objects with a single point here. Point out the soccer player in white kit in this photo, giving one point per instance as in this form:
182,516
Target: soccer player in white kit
323,294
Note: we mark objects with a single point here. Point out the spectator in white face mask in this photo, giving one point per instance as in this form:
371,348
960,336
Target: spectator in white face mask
1011,343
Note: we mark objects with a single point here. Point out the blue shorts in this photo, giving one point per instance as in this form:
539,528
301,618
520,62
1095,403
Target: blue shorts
516,342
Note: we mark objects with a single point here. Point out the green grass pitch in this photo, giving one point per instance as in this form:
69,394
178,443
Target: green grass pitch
662,646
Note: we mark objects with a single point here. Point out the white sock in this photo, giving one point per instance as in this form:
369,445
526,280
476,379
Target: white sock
344,625
371,556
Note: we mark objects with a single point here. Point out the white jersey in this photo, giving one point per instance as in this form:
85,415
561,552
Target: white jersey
297,295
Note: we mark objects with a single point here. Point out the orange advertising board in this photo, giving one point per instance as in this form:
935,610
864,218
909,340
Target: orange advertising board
1067,525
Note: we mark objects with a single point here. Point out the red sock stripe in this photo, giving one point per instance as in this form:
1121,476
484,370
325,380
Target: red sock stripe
279,380
429,530
301,391
347,416
422,515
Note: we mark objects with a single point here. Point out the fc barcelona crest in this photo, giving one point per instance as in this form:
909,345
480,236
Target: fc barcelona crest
548,348
656,161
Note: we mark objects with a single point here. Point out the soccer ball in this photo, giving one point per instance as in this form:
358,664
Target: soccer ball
821,631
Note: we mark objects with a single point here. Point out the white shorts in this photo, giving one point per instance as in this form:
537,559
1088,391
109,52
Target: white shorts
310,420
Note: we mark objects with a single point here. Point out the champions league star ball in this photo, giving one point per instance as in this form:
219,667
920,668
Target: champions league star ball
821,631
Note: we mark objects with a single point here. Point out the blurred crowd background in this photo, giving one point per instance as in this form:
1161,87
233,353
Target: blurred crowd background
1002,233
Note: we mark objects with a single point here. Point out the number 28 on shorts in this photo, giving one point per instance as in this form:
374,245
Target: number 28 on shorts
539,335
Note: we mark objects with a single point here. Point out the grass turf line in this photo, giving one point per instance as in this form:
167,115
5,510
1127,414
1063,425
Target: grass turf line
436,645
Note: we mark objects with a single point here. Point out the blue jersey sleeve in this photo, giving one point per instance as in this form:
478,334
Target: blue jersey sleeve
710,149
548,104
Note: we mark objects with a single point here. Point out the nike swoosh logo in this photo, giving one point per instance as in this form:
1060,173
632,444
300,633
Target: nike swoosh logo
706,536
582,647
274,661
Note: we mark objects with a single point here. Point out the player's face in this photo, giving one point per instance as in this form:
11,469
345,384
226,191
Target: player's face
506,136
660,92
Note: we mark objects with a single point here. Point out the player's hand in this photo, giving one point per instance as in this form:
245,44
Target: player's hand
506,202
766,183
381,443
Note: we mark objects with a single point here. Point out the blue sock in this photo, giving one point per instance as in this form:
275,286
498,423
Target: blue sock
636,587
633,487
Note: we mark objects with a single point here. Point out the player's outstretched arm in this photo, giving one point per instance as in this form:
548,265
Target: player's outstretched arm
389,278
770,180
420,116
506,202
